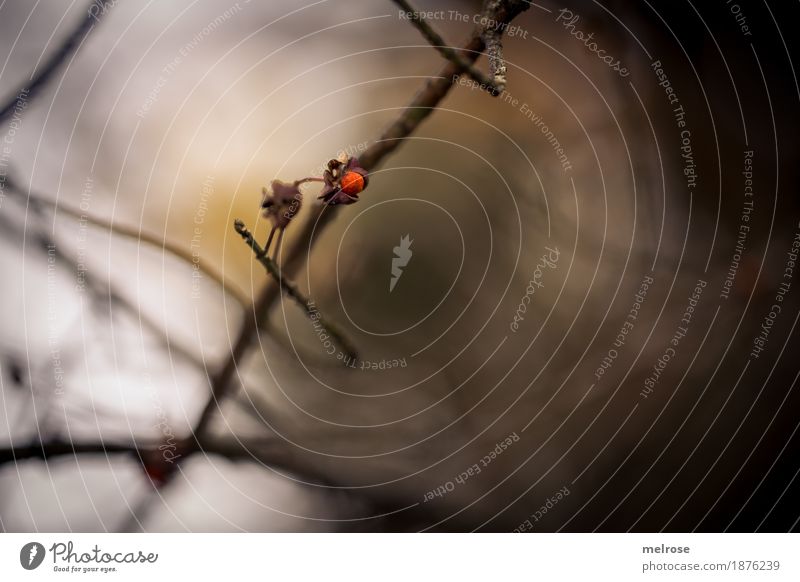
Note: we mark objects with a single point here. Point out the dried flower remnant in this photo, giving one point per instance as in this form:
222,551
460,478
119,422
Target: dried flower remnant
281,203
344,180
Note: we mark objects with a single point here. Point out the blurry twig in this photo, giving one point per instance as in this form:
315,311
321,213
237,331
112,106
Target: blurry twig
137,234
292,291
270,452
109,295
45,451
437,42
28,90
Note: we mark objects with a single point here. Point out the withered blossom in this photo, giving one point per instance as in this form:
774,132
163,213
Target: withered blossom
282,203
344,180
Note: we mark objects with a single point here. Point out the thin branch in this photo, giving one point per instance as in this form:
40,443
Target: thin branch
270,453
435,39
25,93
267,451
45,451
292,290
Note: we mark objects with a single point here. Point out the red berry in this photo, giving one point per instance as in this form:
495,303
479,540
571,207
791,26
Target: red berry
155,472
353,183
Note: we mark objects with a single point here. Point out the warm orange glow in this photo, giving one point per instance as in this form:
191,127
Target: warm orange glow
352,183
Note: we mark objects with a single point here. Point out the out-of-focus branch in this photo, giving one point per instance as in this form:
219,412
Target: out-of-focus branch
184,254
28,90
270,453
437,42
267,451
48,450
292,291
105,293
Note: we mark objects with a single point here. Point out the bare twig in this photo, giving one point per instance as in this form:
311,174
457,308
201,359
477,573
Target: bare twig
292,291
72,42
437,42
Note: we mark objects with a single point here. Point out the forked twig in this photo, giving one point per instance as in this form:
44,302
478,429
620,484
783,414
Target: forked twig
437,42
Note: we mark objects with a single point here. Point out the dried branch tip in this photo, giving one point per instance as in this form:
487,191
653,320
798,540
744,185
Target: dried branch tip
496,15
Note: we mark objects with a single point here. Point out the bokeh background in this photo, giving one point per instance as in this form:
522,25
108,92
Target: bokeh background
171,116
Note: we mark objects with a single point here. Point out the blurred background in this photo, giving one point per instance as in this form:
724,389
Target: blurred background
584,337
